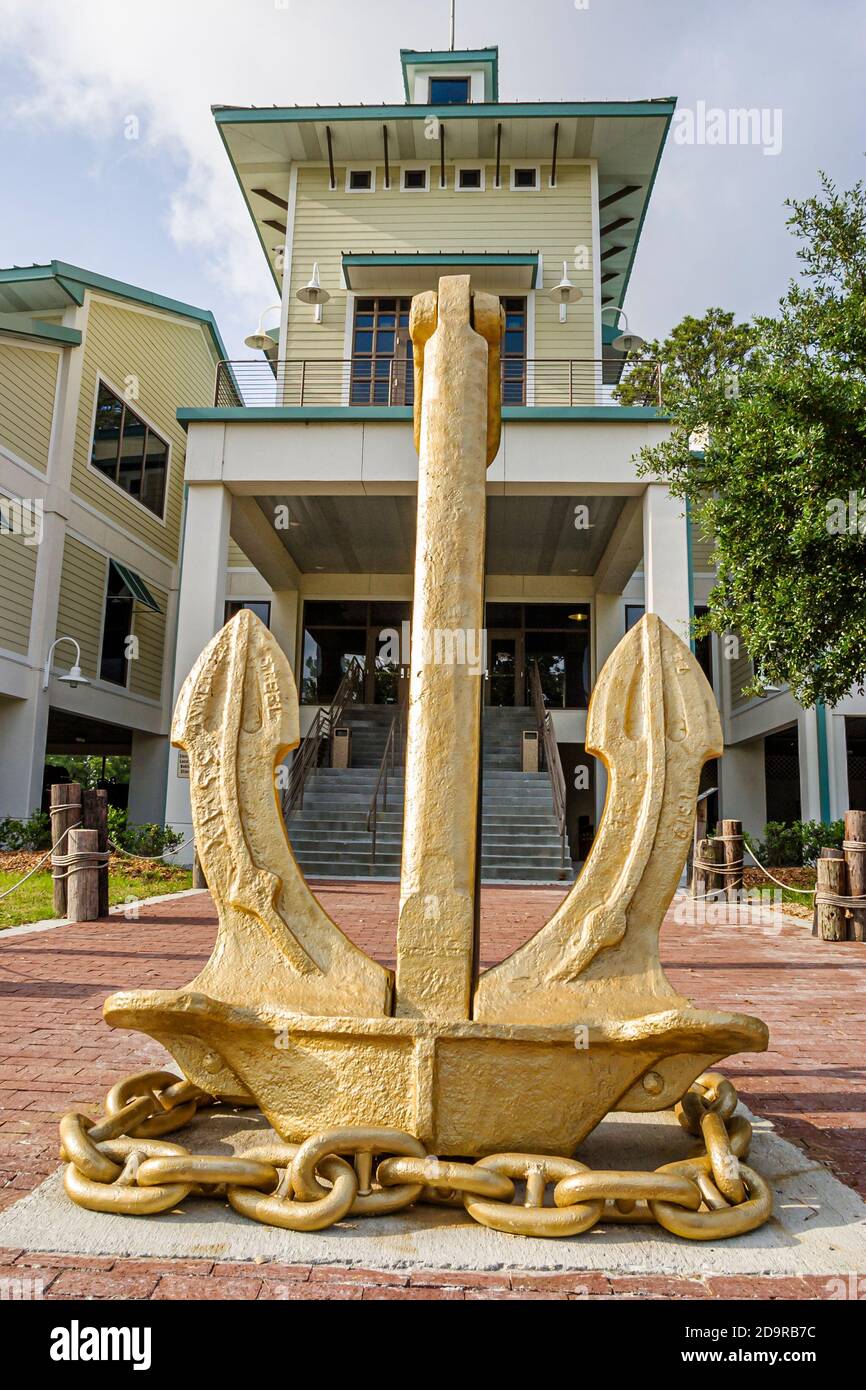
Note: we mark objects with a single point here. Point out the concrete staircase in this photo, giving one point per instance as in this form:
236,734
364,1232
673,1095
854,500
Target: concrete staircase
520,839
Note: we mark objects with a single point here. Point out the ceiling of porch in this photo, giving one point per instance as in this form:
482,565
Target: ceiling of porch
545,535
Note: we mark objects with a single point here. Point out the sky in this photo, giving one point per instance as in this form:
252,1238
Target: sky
163,210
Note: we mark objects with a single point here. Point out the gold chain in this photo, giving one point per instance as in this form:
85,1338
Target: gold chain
120,1164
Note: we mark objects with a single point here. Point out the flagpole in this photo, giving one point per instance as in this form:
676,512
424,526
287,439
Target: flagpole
452,26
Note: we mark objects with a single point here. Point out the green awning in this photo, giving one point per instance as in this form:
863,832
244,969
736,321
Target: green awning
137,587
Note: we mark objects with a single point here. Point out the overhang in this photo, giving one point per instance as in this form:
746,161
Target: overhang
625,139
38,331
407,273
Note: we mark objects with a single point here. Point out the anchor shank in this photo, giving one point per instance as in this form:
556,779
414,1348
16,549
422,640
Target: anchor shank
435,933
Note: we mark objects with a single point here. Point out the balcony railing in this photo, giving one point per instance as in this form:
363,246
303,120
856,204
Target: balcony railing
365,381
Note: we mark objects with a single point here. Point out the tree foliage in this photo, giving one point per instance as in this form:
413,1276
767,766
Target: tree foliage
767,445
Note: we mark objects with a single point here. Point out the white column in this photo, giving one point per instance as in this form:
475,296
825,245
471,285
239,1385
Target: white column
284,624
147,777
201,610
23,727
837,749
666,559
810,780
743,785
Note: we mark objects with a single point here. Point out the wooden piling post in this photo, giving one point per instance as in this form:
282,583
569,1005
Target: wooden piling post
731,836
704,881
95,816
65,812
855,859
832,878
83,883
198,878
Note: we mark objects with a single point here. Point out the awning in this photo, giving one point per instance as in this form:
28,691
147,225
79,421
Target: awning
137,587
408,272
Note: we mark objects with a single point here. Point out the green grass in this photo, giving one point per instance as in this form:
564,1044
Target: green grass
34,900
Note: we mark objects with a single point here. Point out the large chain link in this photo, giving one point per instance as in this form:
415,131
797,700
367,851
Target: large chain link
120,1164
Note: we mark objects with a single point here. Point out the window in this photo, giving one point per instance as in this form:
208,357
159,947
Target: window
449,91
369,636
470,178
514,352
525,177
260,607
128,452
123,590
415,181
360,181
116,628
381,353
633,614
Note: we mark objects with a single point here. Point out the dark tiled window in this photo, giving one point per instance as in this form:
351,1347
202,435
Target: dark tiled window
129,452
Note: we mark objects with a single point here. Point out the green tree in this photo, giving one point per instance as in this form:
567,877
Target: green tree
767,446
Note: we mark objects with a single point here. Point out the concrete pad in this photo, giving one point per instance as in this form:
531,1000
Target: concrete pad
818,1225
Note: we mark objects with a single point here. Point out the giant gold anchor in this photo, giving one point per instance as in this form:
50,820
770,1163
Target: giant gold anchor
579,1021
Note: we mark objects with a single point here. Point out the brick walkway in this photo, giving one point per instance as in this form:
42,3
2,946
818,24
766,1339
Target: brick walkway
56,1053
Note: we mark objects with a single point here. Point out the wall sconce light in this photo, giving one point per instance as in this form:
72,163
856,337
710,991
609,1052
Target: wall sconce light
312,293
260,341
75,675
565,293
626,342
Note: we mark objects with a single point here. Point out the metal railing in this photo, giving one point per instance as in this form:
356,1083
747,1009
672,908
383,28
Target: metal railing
322,729
367,381
392,751
552,762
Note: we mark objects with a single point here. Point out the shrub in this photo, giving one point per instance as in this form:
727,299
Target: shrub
140,839
33,833
791,846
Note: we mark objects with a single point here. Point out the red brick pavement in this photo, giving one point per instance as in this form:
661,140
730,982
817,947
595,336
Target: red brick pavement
56,1053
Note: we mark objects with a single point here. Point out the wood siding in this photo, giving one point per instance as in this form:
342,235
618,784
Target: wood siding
17,579
82,601
174,363
28,383
554,221
149,627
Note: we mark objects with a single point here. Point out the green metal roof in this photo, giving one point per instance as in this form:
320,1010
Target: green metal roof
137,587
72,280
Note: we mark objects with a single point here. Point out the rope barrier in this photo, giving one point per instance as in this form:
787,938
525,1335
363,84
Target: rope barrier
47,855
131,855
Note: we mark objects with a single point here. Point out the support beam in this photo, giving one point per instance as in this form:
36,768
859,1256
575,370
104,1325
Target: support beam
261,544
666,559
622,554
201,610
620,193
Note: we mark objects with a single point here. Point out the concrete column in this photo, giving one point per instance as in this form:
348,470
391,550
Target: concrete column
23,727
810,779
666,559
743,785
284,624
201,609
609,614
147,778
837,751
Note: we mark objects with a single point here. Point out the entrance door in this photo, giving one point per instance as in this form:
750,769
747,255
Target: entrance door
505,673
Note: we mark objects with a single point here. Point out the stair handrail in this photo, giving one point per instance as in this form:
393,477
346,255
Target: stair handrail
552,760
387,765
326,720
